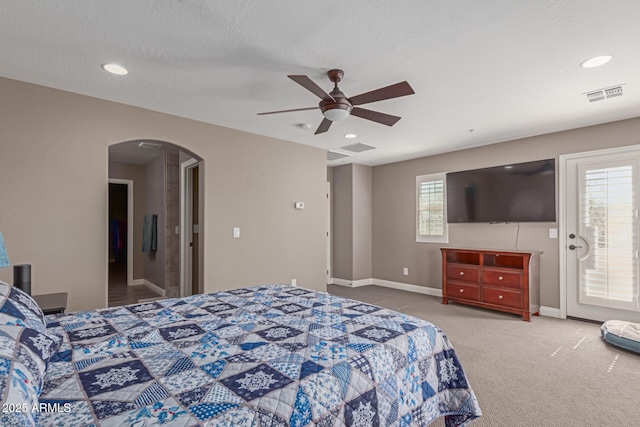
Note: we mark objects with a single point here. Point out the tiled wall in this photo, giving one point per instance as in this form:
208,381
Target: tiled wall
172,214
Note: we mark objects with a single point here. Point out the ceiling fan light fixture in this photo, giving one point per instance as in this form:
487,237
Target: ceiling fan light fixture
336,111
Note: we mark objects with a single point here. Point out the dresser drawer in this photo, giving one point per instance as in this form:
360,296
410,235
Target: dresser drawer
504,279
463,290
503,297
463,273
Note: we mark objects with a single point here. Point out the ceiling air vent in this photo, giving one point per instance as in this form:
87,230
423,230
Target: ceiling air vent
606,93
358,147
149,145
332,155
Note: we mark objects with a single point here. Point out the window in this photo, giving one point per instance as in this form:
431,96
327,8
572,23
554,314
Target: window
431,209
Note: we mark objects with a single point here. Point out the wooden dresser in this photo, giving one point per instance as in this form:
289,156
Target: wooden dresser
506,281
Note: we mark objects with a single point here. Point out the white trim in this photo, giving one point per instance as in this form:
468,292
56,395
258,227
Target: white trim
562,223
351,283
185,224
155,288
328,241
562,235
362,282
551,312
129,184
340,282
435,292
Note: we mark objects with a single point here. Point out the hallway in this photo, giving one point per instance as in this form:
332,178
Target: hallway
119,292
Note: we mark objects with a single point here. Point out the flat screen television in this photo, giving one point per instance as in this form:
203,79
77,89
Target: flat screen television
522,192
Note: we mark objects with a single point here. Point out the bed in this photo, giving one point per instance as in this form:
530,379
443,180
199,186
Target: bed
272,355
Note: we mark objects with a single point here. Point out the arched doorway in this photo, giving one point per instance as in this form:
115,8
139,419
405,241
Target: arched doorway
160,237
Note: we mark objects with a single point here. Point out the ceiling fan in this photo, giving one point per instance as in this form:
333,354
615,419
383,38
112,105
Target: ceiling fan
335,106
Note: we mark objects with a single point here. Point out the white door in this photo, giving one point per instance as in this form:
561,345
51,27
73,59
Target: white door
601,207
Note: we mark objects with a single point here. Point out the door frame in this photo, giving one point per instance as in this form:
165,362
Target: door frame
186,225
328,242
129,184
562,210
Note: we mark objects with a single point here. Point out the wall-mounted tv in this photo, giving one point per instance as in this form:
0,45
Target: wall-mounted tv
522,192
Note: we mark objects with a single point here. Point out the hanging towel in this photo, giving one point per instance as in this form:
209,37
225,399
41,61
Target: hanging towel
154,233
150,234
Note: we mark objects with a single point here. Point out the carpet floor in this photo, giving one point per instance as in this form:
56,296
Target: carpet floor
547,372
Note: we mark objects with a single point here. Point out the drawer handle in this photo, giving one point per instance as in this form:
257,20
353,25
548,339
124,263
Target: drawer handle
461,290
462,273
500,278
500,297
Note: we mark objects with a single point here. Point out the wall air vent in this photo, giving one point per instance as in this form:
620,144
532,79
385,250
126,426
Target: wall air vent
149,145
606,93
333,155
358,147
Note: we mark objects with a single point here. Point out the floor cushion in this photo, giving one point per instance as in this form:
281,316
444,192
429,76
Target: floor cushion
622,334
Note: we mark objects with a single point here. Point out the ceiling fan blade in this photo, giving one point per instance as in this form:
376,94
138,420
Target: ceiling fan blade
375,116
393,91
310,85
324,126
288,111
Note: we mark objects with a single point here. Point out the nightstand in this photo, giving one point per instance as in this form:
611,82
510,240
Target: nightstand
52,303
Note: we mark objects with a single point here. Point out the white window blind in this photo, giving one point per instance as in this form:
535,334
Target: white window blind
610,218
431,215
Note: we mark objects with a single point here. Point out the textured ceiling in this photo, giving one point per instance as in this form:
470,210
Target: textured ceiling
506,69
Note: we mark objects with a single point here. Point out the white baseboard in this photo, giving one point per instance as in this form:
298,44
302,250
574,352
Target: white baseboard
155,288
435,292
340,282
550,312
351,283
388,284
137,282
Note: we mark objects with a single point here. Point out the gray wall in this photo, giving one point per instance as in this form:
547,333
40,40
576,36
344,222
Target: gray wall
394,245
352,222
137,174
342,209
362,222
53,194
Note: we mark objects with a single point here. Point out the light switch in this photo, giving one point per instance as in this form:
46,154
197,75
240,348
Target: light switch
299,205
236,232
553,233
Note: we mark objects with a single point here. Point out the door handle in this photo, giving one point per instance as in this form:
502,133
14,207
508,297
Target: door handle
574,247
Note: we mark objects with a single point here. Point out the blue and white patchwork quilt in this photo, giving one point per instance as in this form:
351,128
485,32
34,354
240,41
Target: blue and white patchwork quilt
262,356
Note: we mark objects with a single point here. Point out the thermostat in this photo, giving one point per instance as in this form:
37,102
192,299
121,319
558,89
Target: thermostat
299,205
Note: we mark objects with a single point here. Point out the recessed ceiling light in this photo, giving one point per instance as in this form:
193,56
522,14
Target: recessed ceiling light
350,135
115,69
596,61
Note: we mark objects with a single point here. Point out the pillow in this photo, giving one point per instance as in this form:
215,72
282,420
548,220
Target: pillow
24,354
18,308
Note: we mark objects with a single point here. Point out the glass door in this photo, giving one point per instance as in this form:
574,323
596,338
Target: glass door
602,241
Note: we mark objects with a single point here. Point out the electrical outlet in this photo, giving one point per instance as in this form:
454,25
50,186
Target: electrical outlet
405,271
294,282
